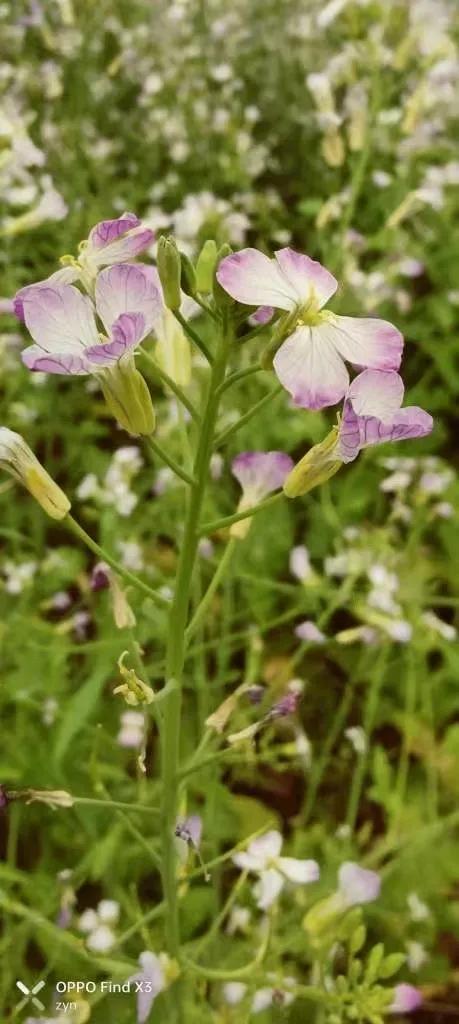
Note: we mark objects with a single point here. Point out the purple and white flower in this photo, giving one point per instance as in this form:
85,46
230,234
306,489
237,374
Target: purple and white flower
310,363
406,999
115,241
259,474
372,414
62,321
262,857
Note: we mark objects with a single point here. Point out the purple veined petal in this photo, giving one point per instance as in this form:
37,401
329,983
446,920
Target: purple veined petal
262,315
348,445
260,473
114,241
254,279
106,231
306,275
70,363
364,341
129,288
127,331
407,423
377,393
309,367
59,318
66,275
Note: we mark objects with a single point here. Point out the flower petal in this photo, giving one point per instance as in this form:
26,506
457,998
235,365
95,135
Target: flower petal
309,367
129,288
66,275
37,360
106,231
364,341
357,432
59,318
358,885
377,393
254,279
259,851
259,473
268,888
127,331
299,871
406,999
306,275
114,241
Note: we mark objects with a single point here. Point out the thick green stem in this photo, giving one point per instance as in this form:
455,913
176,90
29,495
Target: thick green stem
176,648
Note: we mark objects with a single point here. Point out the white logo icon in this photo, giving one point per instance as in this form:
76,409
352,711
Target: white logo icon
31,994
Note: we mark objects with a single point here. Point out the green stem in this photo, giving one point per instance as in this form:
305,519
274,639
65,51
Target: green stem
89,801
201,345
213,586
369,717
234,378
129,577
225,435
165,457
176,649
220,524
178,391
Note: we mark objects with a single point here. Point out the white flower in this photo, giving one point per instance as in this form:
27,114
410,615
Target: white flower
262,857
357,737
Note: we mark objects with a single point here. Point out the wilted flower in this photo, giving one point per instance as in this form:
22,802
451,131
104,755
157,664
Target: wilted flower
259,473
17,458
310,363
134,690
263,858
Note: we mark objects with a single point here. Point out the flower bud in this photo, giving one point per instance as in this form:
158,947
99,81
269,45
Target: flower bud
188,275
317,466
222,298
128,398
169,270
17,458
205,267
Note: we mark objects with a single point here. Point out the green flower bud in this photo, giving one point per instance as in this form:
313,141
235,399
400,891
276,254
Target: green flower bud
317,466
222,299
18,459
128,398
188,275
205,267
169,270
